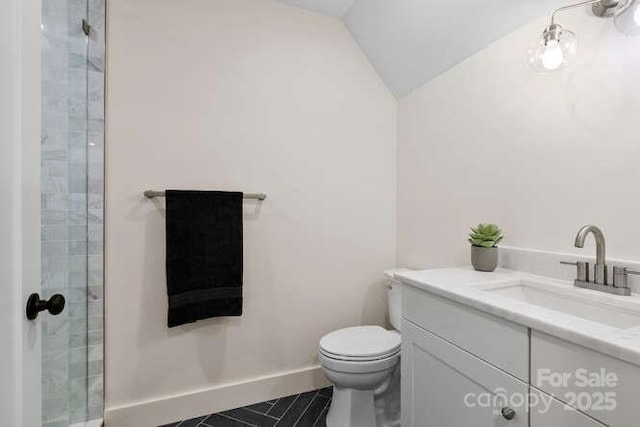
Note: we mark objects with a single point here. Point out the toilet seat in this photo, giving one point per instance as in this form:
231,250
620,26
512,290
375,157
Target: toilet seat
359,367
360,344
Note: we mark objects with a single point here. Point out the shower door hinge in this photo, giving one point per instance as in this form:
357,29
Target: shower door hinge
86,28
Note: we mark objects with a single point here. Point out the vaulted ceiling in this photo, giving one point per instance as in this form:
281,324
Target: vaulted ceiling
409,42
337,8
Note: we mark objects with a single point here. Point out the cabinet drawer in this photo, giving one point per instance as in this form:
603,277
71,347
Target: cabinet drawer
444,386
613,404
499,342
547,411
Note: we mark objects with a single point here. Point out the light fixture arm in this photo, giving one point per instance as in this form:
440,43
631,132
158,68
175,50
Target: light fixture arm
557,45
574,6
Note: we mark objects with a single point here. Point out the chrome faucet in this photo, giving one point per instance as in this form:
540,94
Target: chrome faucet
600,280
600,269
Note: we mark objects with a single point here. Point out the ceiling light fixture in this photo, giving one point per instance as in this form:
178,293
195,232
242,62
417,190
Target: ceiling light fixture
627,19
558,46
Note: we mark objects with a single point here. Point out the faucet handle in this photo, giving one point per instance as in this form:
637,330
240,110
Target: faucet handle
620,275
582,270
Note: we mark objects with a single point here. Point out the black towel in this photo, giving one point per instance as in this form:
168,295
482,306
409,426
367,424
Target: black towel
204,255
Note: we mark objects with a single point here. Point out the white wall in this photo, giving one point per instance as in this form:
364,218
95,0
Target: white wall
541,155
9,130
242,95
20,370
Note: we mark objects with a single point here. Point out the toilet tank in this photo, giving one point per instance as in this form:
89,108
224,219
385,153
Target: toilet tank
394,298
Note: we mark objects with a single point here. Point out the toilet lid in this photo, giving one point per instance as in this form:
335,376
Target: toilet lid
366,342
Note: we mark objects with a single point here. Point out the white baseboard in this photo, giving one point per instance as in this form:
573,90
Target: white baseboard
169,409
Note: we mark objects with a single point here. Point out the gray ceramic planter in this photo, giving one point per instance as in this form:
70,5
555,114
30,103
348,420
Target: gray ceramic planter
484,259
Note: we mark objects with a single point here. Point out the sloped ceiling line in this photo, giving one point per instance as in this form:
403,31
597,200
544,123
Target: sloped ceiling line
409,42
337,8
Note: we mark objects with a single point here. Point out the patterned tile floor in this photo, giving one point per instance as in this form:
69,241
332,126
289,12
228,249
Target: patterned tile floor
300,410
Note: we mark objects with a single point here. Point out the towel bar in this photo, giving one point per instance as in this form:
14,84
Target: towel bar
150,194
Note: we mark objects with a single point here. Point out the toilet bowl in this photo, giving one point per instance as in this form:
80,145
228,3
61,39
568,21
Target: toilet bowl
359,361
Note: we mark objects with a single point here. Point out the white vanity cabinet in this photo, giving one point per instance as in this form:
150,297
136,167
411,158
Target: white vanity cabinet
614,400
502,344
550,412
459,364
444,386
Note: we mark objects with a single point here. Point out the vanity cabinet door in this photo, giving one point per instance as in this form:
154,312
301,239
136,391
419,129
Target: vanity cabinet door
613,399
444,386
547,411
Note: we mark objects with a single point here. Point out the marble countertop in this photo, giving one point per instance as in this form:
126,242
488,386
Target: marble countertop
467,286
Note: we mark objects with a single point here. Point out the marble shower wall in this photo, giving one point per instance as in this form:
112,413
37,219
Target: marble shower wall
72,209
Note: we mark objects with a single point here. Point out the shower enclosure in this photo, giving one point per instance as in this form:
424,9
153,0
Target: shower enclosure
71,175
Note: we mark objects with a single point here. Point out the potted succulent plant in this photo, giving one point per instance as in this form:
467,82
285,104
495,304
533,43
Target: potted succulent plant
484,239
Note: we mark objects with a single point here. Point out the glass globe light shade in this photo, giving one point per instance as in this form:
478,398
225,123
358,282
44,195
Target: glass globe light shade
627,17
555,50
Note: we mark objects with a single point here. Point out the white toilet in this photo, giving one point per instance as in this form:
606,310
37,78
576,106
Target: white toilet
360,361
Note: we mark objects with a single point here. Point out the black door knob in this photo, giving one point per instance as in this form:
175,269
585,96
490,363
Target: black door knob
35,305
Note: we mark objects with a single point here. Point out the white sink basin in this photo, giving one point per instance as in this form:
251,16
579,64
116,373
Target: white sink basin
619,312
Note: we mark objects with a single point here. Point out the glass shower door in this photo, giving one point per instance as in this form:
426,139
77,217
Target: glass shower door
72,145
